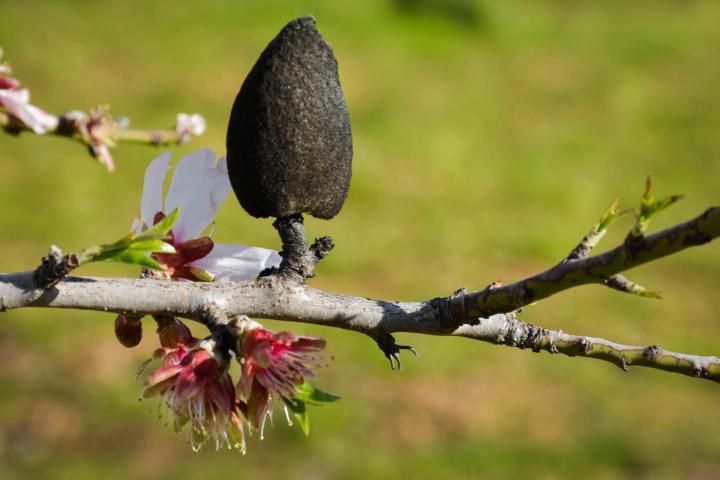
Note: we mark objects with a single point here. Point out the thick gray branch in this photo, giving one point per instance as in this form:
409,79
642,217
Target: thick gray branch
269,297
272,298
484,315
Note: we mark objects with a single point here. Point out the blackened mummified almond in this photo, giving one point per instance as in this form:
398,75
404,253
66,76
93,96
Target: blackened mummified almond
289,146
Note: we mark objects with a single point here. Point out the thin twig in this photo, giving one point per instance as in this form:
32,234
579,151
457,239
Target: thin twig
99,132
597,269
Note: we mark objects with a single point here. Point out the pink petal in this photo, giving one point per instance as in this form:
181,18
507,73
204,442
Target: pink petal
262,354
102,153
237,262
151,201
8,82
257,404
244,385
194,249
160,379
199,186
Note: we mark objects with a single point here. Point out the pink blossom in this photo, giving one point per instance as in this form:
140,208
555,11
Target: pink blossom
199,186
274,364
179,265
96,131
17,102
101,151
280,361
196,389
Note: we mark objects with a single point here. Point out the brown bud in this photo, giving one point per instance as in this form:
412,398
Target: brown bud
128,329
172,331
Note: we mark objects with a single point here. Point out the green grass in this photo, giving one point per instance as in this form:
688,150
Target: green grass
484,150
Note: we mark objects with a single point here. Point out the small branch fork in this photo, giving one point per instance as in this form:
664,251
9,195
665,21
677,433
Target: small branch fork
298,259
600,269
488,315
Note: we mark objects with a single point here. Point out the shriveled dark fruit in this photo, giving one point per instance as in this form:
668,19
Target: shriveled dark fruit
289,146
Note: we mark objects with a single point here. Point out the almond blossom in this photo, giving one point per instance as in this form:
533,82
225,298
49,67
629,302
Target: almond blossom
188,126
274,365
96,131
17,103
196,388
193,379
199,186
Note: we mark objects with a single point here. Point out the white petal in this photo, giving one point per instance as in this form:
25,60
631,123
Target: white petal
199,186
237,262
17,103
151,202
14,97
198,124
190,124
42,122
137,226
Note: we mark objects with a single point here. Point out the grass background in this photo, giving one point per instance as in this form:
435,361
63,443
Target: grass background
488,137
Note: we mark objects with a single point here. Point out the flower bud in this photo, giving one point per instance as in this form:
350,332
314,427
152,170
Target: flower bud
128,329
172,331
289,145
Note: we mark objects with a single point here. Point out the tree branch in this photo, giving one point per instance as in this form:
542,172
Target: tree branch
487,315
597,269
507,330
274,299
156,137
98,131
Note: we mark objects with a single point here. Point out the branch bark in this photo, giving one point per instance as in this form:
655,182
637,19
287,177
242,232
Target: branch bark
598,269
272,298
487,315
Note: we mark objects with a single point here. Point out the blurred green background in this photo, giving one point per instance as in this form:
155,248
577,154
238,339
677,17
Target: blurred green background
488,136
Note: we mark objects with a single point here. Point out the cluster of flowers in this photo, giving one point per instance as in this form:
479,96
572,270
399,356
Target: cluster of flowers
193,380
96,129
16,101
198,392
